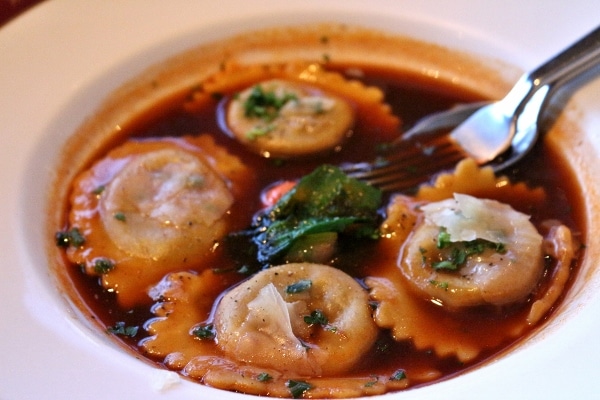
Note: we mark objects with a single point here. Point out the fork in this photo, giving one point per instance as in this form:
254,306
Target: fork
497,134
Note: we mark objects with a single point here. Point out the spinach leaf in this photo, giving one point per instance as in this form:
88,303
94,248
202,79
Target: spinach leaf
326,200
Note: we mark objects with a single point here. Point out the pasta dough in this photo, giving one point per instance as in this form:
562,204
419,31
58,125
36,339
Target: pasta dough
279,118
149,208
266,322
486,274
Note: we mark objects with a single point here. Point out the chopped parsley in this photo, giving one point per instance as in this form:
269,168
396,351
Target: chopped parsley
264,377
72,237
398,375
259,131
121,329
120,216
298,287
441,285
443,239
103,265
298,388
317,317
265,104
461,251
204,332
372,382
99,190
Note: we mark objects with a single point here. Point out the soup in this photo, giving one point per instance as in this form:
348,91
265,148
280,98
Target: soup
194,234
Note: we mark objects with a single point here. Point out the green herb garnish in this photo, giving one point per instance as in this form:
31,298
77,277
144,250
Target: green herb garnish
297,388
264,377
298,287
72,237
443,239
103,265
317,317
373,382
265,104
204,332
460,251
122,330
120,216
441,285
398,375
99,190
259,131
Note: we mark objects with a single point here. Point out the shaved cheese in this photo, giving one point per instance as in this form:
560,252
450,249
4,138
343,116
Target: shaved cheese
468,218
269,313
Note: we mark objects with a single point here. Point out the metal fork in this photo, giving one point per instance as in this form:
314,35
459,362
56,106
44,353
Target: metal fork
497,134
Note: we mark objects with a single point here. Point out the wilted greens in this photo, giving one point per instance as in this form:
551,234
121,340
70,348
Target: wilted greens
326,200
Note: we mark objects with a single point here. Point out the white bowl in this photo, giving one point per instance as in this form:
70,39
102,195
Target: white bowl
61,59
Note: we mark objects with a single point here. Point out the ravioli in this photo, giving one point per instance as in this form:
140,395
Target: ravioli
278,118
266,322
148,208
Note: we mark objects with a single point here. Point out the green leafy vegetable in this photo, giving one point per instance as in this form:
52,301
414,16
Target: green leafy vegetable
265,104
204,332
462,250
316,317
298,287
297,388
443,239
99,190
72,237
121,329
103,265
120,216
259,131
316,248
372,382
398,375
264,377
326,200
441,285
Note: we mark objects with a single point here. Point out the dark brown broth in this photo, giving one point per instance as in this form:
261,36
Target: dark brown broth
410,98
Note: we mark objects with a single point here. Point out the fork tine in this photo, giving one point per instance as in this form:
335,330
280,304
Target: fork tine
414,163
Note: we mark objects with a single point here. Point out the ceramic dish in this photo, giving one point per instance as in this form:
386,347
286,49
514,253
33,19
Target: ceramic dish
62,58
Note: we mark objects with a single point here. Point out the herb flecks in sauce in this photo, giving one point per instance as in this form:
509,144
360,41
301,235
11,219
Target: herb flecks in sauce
103,265
398,375
121,329
204,332
264,377
298,388
71,237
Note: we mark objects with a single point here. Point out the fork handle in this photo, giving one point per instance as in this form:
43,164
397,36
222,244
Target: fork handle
575,60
